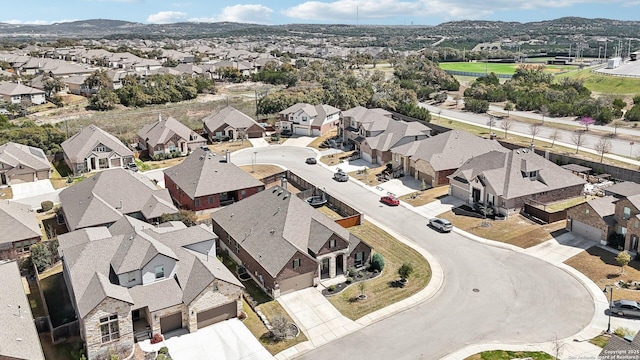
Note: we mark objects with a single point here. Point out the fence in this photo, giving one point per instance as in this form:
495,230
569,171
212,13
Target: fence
275,177
476,74
65,331
548,217
60,333
42,324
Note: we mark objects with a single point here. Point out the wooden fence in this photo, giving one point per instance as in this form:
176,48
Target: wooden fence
543,215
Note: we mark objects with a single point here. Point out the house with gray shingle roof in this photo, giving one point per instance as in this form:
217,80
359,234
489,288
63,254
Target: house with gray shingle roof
351,120
95,149
284,243
206,180
18,335
434,158
133,280
168,136
20,230
382,137
17,93
21,163
102,199
507,180
232,124
594,219
309,120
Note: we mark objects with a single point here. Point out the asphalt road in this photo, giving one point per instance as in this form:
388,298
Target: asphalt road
519,299
618,146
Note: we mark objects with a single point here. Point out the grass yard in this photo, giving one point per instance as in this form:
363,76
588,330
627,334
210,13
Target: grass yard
601,267
158,164
59,176
261,171
382,291
6,193
337,158
515,230
368,176
57,296
420,198
509,355
565,204
317,141
600,340
257,328
35,301
71,349
223,146
605,84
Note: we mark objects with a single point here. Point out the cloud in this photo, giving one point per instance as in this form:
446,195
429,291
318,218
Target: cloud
167,17
243,13
348,10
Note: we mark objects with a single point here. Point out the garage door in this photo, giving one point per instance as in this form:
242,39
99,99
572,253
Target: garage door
296,283
365,156
220,313
459,193
170,323
22,178
586,231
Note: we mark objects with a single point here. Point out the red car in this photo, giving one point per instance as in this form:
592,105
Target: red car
390,200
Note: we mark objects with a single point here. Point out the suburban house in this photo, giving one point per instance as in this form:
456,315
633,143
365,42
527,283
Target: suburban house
622,189
102,199
627,218
309,120
380,139
232,124
14,93
20,230
594,219
619,347
506,180
168,136
18,334
285,244
21,163
132,280
205,180
435,158
95,149
352,119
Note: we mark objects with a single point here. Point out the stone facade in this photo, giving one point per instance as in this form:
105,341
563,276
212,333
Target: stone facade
92,333
361,247
584,213
423,170
211,298
154,317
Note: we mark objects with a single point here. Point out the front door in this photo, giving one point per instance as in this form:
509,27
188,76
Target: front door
475,194
634,243
324,272
3,179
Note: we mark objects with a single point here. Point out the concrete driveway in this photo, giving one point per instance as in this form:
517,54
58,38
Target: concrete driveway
226,340
31,189
298,140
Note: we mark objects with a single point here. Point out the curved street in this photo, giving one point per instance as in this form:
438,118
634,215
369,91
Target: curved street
489,295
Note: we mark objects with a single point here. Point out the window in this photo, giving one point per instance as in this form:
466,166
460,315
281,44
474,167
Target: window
132,276
197,202
586,211
109,328
359,259
237,247
636,224
159,272
210,200
103,163
243,194
627,213
296,263
214,287
101,148
332,243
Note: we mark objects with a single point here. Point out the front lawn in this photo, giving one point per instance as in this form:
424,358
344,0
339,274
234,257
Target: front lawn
60,175
515,230
565,204
221,147
261,171
509,355
6,193
601,267
336,158
367,175
317,141
383,290
420,198
57,298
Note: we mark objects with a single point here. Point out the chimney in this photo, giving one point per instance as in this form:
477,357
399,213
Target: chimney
283,182
228,156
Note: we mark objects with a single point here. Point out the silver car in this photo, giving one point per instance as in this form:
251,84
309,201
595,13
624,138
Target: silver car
441,224
625,308
340,176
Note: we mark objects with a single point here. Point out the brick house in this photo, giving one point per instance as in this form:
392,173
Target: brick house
506,180
285,244
435,158
309,120
627,217
168,136
20,230
205,180
231,123
132,280
377,146
594,219
351,120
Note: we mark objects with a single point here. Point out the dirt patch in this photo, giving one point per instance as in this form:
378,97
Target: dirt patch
420,198
6,193
601,267
515,230
261,171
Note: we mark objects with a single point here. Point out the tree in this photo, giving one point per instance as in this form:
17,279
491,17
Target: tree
603,146
104,99
586,121
377,262
506,125
188,217
97,81
508,107
51,86
534,130
491,123
623,260
362,286
405,270
616,124
457,99
40,256
555,135
280,328
578,139
544,111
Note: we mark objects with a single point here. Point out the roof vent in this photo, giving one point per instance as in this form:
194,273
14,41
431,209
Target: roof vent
201,158
272,231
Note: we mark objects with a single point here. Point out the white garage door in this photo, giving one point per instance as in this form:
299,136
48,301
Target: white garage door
296,283
365,156
586,231
459,193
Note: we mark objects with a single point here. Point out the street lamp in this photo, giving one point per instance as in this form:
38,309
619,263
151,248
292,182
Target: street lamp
253,163
610,290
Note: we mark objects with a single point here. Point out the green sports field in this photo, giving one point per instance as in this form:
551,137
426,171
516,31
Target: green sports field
605,84
479,67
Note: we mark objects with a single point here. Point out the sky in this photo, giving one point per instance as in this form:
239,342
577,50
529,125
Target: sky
352,12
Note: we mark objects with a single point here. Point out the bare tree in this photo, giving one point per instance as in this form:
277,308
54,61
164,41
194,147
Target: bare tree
534,130
544,111
616,124
506,125
508,107
555,135
603,146
457,98
491,123
578,139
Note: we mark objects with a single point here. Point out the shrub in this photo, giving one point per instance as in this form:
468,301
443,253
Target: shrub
349,280
405,270
331,288
156,338
377,262
40,256
352,272
623,331
46,205
163,350
360,274
280,328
